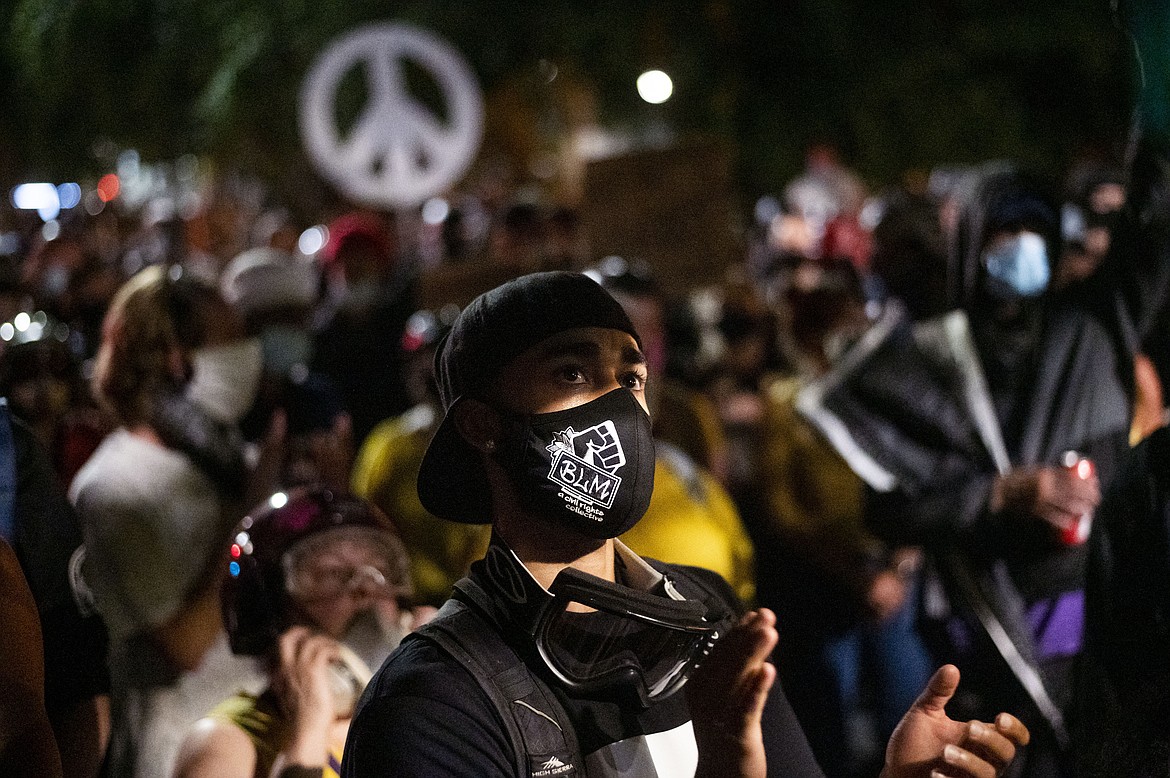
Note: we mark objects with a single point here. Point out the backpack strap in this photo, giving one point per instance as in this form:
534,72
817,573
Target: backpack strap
542,737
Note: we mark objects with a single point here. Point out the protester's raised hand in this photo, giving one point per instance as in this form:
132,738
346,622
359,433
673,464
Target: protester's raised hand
301,681
726,697
302,686
928,744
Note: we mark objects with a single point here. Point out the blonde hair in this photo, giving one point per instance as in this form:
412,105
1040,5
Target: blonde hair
149,323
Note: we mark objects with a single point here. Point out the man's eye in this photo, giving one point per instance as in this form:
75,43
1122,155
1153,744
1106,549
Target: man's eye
634,381
572,375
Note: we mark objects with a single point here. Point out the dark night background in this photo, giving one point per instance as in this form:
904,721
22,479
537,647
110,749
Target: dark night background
897,85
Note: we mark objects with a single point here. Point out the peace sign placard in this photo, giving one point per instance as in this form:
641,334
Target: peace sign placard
398,152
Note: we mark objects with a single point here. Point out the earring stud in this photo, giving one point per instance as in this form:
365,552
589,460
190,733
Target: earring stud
489,445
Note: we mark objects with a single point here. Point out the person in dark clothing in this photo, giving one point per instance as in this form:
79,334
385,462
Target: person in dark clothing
46,536
360,323
26,739
1123,692
985,435
1056,381
1123,725
563,653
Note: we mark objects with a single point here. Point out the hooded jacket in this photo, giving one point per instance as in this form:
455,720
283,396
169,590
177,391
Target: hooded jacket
930,414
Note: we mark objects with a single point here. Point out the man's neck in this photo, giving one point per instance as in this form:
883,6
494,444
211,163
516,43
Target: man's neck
547,550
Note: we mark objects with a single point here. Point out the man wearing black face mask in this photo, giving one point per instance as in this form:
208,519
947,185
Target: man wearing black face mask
563,653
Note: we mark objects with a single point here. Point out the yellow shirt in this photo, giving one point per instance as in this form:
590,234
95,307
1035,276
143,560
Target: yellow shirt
261,720
814,501
692,521
386,474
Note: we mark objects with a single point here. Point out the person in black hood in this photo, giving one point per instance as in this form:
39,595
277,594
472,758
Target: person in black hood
1001,268
985,435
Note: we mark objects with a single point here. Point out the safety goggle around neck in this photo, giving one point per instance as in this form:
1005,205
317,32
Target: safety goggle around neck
602,637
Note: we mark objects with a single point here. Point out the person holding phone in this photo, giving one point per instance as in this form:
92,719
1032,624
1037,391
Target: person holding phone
317,583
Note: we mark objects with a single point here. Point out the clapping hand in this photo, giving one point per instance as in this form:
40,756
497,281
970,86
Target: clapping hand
726,696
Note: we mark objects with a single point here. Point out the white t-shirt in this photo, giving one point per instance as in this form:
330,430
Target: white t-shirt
149,518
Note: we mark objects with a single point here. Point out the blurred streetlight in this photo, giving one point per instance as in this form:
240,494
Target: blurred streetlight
655,87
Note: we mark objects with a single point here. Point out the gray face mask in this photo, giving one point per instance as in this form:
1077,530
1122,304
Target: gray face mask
54,281
285,347
1017,267
372,636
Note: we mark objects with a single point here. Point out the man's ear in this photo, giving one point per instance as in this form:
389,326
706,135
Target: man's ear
479,424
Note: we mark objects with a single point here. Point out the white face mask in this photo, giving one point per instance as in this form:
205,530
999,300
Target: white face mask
225,379
373,636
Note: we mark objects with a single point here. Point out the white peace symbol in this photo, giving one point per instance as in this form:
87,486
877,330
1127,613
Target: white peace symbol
398,153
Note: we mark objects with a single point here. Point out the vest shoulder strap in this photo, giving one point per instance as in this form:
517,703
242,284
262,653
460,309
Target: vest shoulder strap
542,737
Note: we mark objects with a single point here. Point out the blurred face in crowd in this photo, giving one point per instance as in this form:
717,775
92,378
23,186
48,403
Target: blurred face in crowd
336,575
647,316
362,259
40,380
224,324
1082,258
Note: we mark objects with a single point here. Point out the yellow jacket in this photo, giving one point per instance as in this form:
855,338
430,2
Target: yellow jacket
692,521
386,474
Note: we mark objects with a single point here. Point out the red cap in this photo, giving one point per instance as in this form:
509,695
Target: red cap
357,226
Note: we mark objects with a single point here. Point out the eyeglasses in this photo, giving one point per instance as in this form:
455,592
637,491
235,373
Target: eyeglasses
333,581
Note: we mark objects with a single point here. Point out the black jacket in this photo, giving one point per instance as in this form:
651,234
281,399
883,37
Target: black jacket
914,409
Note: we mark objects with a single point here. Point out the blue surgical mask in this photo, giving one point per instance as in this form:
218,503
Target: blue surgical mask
1017,267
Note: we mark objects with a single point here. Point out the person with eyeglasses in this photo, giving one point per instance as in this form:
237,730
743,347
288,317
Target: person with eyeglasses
317,584
563,653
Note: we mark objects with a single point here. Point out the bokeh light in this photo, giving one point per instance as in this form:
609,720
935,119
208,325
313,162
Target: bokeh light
655,87
108,187
435,210
69,195
313,240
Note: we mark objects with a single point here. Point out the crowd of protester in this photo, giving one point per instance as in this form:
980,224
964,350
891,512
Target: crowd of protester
171,373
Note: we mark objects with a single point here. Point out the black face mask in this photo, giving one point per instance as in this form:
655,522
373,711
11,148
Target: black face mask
590,468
